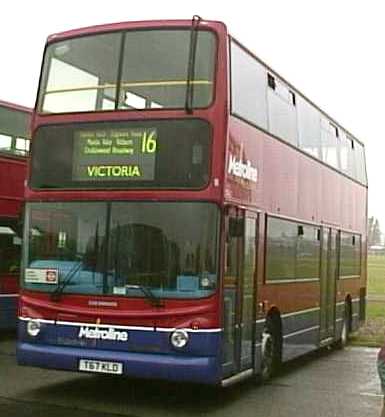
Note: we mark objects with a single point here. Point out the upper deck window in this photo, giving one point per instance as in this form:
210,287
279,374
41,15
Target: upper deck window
263,99
360,162
131,70
14,131
16,146
248,83
329,143
350,255
5,143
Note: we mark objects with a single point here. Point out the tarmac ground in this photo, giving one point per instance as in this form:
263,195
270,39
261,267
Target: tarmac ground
328,383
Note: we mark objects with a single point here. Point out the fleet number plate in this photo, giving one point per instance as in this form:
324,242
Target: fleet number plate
100,366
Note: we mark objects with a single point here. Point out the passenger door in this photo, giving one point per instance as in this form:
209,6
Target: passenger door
239,290
329,264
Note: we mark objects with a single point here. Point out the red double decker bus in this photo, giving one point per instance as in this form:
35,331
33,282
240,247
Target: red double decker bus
190,215
14,148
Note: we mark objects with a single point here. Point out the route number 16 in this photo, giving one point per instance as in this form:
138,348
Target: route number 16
149,141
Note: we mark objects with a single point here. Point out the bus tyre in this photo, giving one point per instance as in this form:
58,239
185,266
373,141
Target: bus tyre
270,355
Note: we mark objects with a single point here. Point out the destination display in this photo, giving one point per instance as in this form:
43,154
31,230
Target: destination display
129,154
115,154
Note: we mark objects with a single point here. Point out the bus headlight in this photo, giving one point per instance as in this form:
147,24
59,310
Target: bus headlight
179,338
33,328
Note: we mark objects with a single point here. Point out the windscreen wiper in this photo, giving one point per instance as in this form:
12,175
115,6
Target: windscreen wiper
151,297
56,294
191,64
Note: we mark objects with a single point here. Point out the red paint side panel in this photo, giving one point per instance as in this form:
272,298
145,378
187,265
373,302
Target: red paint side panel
309,182
291,296
9,284
12,177
293,185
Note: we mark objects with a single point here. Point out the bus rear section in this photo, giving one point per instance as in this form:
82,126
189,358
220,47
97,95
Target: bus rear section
14,148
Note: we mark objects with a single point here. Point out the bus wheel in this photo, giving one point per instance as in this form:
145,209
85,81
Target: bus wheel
270,360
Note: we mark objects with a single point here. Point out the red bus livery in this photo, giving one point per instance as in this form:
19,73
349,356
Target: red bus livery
190,215
14,147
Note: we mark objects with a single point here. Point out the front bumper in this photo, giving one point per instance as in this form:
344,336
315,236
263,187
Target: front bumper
198,369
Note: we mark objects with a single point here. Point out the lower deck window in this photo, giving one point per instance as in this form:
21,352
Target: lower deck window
10,245
350,255
292,251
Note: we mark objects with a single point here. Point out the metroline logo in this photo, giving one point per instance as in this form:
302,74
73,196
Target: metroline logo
107,334
241,169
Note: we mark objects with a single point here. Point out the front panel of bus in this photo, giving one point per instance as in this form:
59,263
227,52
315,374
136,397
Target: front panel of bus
122,236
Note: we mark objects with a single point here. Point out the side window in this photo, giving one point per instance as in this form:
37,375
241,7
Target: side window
308,252
262,99
22,146
350,255
14,122
18,146
309,128
280,250
282,110
347,155
5,142
292,251
360,162
329,143
248,87
9,250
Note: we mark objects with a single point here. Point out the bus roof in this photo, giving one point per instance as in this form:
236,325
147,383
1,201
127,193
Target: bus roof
13,106
143,24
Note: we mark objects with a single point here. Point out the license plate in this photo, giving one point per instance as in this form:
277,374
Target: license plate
102,367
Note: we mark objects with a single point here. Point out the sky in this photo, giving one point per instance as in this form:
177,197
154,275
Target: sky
332,51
